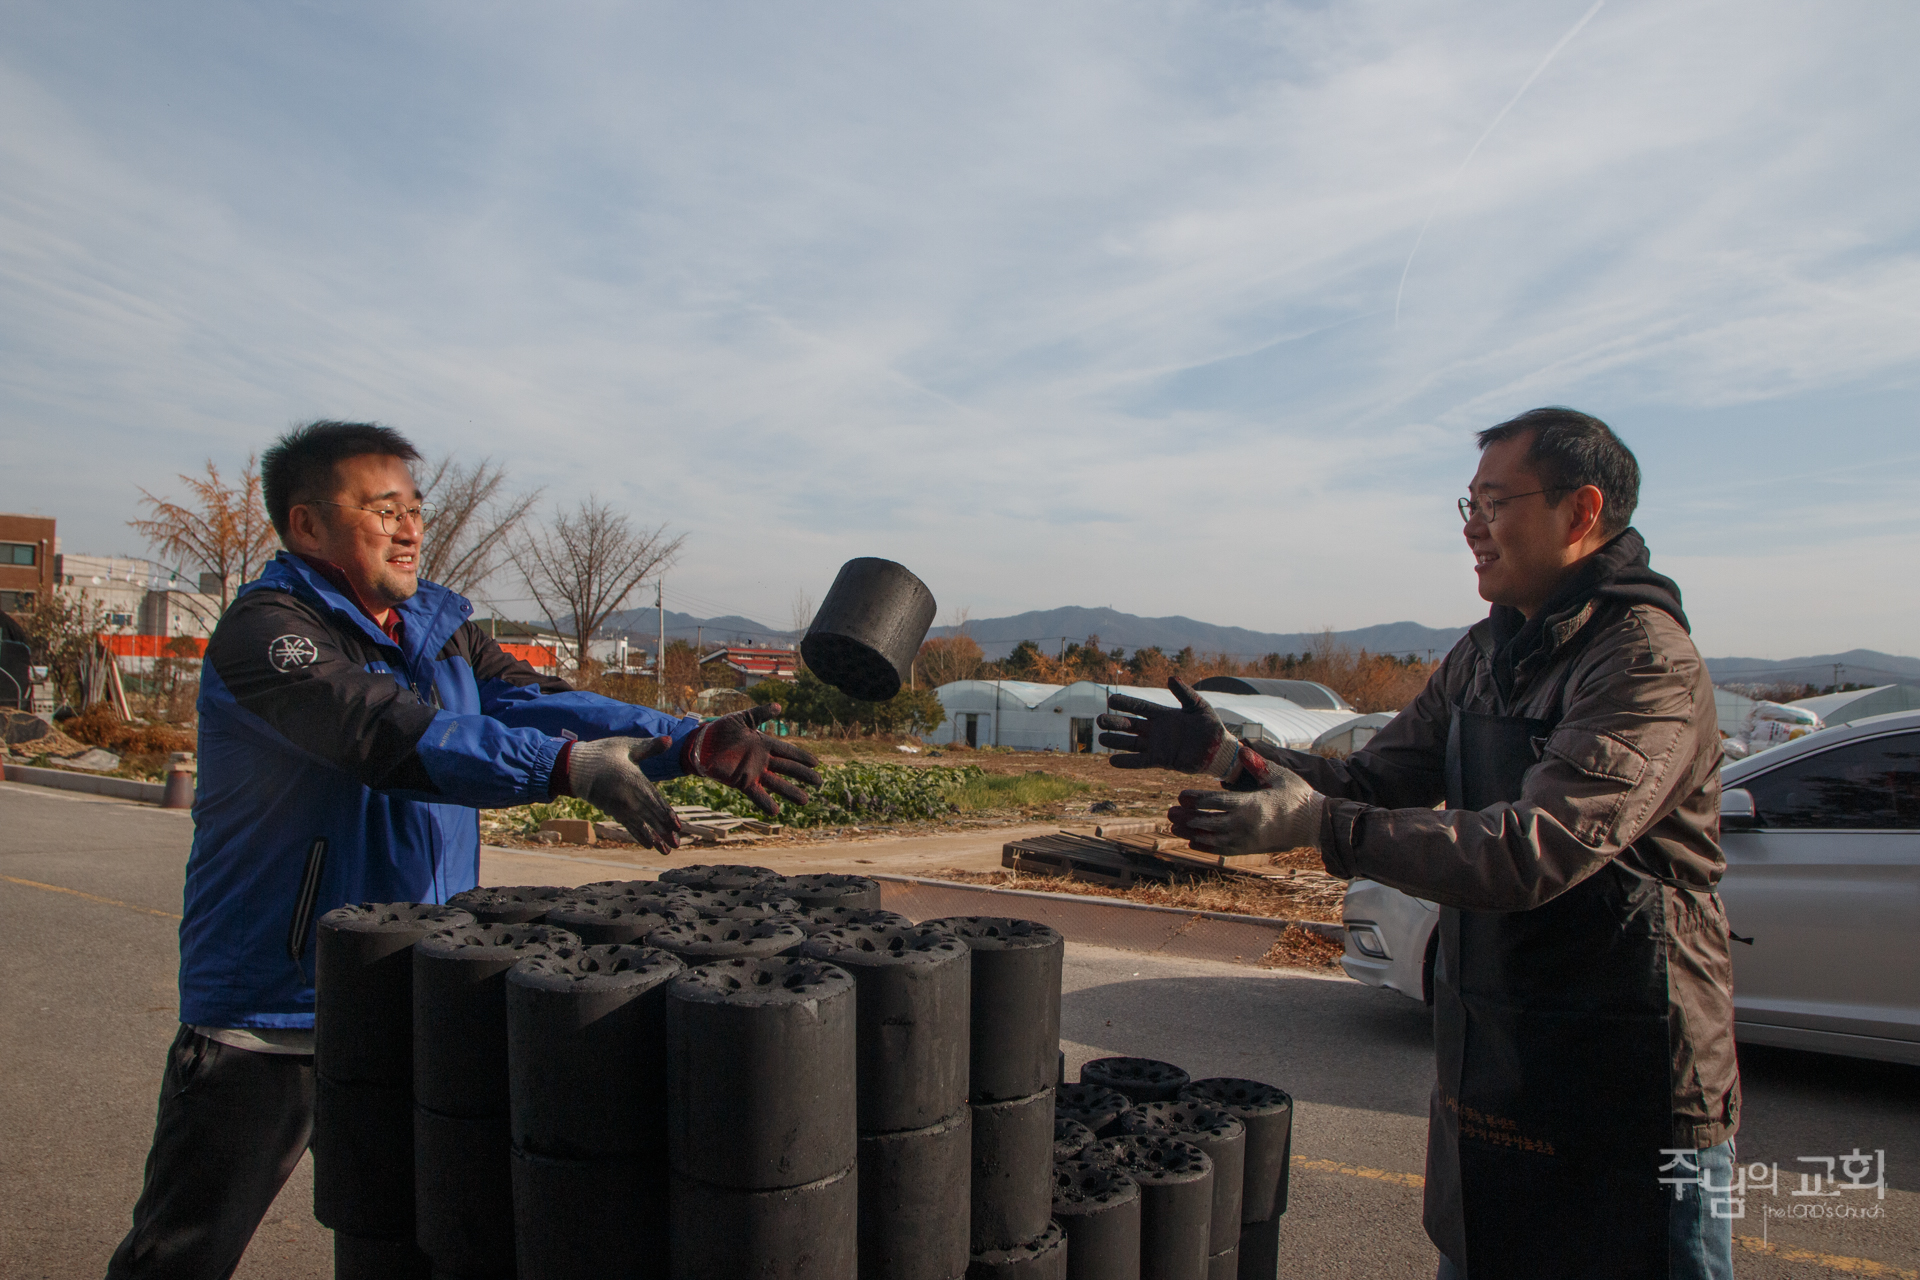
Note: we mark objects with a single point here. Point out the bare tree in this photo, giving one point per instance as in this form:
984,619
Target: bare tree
584,565
800,612
474,519
222,529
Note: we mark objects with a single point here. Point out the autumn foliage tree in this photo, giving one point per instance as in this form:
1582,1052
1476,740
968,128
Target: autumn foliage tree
221,529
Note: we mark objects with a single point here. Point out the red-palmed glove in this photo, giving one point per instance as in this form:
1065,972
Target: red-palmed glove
733,751
1189,738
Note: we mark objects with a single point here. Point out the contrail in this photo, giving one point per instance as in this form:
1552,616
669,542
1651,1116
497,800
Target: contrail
1551,54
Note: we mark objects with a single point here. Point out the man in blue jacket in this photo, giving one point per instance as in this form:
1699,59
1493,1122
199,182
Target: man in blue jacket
345,701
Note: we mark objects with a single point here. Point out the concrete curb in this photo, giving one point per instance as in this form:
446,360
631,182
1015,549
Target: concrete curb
92,784
1106,922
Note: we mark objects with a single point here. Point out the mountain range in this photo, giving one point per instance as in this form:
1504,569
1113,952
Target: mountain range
1052,628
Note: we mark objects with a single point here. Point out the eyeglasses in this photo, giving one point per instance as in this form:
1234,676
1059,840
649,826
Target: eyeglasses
1488,508
390,517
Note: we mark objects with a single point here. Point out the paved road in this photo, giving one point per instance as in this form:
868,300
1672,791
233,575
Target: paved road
89,888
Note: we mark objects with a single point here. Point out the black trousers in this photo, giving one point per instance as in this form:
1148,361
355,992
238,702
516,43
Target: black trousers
232,1125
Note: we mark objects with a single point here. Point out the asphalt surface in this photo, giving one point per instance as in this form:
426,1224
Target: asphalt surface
90,889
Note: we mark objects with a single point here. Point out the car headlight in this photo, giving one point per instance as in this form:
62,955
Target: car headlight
1367,940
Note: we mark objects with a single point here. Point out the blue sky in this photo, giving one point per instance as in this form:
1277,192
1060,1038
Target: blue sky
1064,304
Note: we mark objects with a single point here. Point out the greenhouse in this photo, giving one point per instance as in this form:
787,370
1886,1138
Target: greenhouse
1048,717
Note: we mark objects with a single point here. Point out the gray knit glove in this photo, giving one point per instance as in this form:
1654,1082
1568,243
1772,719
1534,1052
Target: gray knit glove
1285,814
606,774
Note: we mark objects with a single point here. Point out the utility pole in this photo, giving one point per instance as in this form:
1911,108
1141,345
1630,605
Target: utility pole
660,654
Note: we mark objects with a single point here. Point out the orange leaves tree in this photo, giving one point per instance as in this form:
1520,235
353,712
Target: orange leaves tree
220,528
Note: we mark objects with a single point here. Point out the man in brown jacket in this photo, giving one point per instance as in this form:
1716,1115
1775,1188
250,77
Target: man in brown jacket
1583,1011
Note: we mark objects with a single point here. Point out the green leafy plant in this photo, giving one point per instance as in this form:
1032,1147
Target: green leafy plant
849,794
1014,790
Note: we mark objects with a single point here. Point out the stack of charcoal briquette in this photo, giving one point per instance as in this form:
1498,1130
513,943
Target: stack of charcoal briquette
719,1074
1161,1177
1013,1063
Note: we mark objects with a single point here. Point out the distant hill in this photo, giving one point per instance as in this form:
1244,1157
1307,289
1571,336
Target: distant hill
1857,666
1046,628
642,627
998,636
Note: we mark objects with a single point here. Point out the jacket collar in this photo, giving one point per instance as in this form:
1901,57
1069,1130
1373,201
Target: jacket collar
1621,570
431,616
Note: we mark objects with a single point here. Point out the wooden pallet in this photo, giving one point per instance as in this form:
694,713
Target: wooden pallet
1085,858
710,826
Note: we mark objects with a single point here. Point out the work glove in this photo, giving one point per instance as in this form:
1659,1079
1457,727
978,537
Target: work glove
1189,738
1284,814
606,774
733,751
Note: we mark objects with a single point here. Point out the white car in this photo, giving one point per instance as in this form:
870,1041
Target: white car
1822,890
1390,939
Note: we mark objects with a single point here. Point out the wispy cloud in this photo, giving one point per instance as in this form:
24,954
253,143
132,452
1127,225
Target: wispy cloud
1068,303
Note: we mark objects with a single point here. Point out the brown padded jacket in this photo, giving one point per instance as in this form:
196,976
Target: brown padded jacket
1630,772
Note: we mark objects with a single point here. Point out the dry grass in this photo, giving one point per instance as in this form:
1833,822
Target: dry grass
1302,898
1298,948
99,726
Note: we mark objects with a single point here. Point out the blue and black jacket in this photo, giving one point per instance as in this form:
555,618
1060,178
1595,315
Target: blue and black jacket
315,725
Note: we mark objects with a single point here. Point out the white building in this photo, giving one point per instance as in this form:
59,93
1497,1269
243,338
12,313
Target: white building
1049,717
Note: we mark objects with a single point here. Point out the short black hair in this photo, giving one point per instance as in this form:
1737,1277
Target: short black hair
299,466
1570,450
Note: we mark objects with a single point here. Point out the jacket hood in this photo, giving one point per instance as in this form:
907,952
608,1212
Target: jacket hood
1621,570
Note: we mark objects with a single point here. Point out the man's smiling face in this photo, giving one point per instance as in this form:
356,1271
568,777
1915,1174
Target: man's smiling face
1520,556
383,567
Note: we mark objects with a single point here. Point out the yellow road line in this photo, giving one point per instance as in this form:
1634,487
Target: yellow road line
91,897
1752,1244
1831,1261
1359,1171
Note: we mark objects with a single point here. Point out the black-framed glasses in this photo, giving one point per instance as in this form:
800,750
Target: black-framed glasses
390,516
1488,508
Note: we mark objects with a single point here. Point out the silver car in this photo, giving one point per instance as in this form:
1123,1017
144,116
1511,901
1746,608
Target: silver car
1822,890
